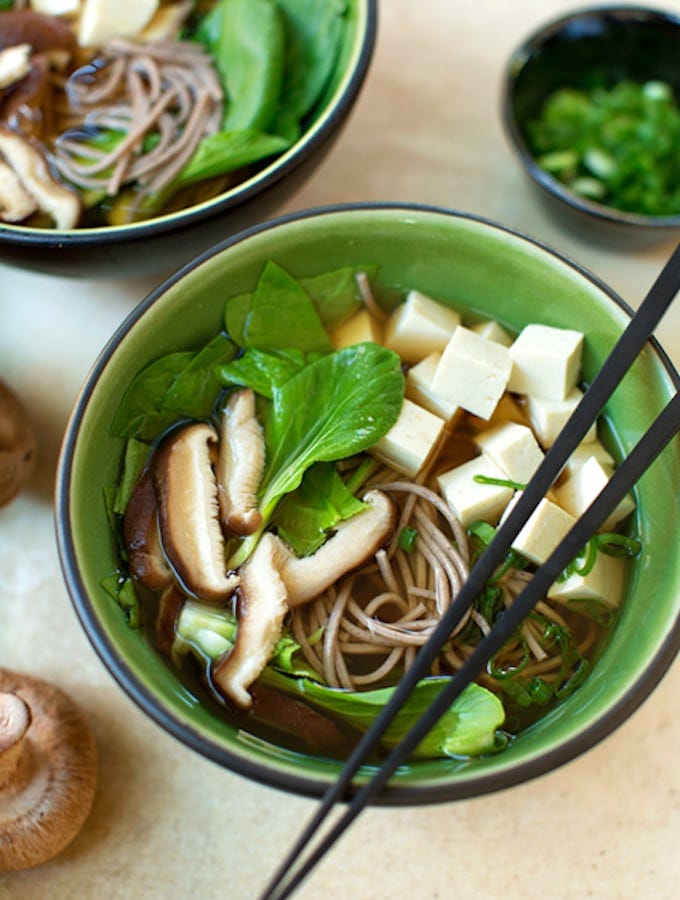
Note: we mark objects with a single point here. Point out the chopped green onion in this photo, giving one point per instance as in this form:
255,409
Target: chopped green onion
614,544
500,482
407,538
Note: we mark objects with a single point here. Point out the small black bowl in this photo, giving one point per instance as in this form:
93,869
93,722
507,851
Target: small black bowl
169,241
602,45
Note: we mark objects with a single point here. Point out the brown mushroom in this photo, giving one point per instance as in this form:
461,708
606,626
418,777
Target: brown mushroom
186,491
354,541
21,26
61,203
240,463
15,201
48,771
17,445
262,608
142,538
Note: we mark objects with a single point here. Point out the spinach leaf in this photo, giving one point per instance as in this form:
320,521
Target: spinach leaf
467,728
335,295
194,392
304,517
134,460
335,407
282,315
141,413
262,371
228,151
250,53
236,312
314,32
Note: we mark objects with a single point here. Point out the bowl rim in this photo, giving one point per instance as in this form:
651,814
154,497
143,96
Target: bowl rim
282,166
518,60
271,775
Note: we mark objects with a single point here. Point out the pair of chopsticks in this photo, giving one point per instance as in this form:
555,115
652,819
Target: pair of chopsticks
294,868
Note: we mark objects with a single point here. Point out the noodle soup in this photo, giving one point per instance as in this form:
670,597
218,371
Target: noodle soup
303,496
107,120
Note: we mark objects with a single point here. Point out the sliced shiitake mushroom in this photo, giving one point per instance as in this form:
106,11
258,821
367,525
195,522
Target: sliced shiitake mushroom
240,463
261,611
17,445
142,538
186,491
48,770
354,541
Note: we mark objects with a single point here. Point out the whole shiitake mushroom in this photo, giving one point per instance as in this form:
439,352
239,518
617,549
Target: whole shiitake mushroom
48,770
17,445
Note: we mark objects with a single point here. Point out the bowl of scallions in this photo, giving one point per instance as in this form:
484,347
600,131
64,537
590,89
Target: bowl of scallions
591,106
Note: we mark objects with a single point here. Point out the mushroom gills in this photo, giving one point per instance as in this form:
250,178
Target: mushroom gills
354,542
186,492
261,611
240,463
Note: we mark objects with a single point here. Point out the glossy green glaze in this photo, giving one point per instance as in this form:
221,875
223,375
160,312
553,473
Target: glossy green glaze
474,266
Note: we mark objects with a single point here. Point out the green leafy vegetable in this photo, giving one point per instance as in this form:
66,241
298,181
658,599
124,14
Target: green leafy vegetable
228,151
468,728
305,516
282,316
314,32
261,371
336,295
134,460
250,54
141,413
335,407
195,389
122,590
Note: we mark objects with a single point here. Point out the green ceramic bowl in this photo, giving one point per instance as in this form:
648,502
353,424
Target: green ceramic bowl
474,265
166,242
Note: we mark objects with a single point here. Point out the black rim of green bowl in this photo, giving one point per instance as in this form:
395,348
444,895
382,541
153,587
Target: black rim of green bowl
555,188
272,174
400,795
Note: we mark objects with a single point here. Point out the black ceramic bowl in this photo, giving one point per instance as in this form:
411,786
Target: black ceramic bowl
169,241
603,45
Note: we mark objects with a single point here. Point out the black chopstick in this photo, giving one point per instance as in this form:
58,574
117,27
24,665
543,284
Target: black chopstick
645,451
626,349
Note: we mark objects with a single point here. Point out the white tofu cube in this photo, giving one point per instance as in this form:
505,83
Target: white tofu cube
586,450
548,417
468,499
420,326
513,448
55,7
407,446
603,583
419,389
543,530
357,329
492,331
580,489
103,20
473,372
546,361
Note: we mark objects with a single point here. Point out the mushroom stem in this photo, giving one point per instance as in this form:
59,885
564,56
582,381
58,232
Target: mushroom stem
48,770
15,717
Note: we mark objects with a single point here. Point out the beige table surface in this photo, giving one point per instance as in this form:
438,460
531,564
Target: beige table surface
166,823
